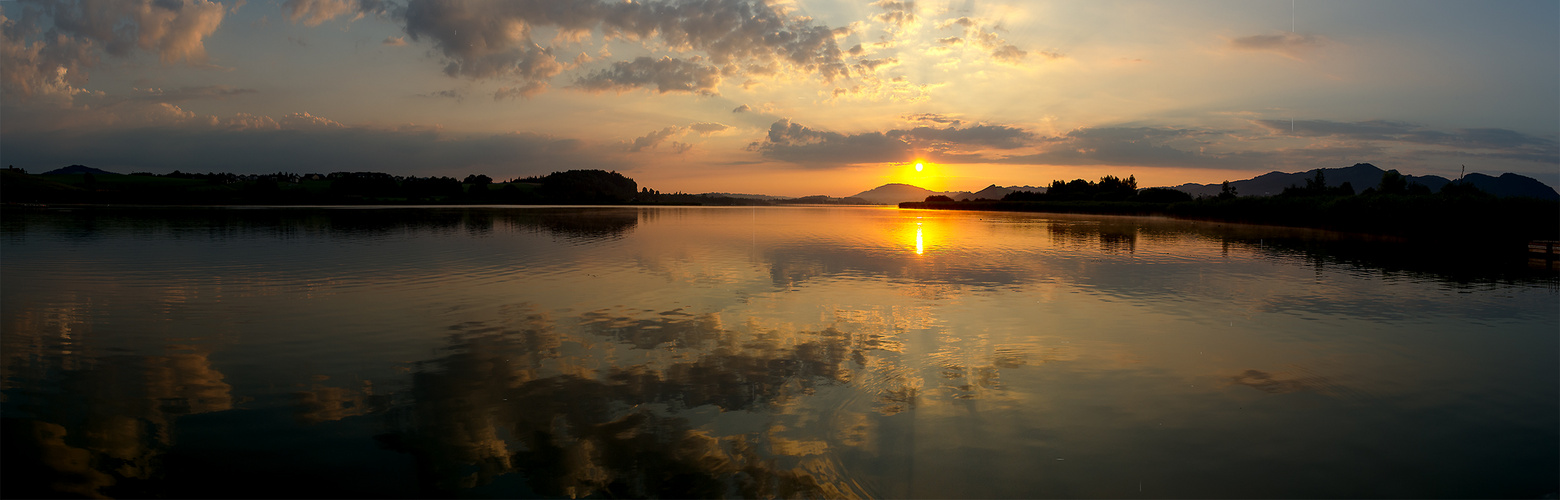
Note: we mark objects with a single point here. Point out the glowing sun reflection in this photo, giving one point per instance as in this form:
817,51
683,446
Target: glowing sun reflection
920,247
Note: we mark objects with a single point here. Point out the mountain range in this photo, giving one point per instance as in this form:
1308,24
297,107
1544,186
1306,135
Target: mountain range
1362,176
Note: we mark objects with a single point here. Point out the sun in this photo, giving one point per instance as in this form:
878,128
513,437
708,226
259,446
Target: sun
919,166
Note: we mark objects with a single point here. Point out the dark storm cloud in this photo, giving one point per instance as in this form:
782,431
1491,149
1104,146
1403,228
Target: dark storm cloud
301,145
664,75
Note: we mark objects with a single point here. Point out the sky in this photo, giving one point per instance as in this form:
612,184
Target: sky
784,97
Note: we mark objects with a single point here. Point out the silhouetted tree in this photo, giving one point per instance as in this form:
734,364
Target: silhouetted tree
1162,195
1392,182
1227,192
937,197
1461,189
588,186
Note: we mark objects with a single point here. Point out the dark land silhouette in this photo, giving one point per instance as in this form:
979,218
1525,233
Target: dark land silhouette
1458,214
79,184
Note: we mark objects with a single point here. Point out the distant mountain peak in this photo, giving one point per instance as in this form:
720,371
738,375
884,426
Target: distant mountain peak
79,169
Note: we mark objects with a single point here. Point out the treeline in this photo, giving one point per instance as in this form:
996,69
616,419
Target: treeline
572,187
1459,214
568,187
1109,188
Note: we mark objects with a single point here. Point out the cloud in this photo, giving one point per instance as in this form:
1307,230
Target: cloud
175,30
896,13
182,94
1009,54
665,75
483,39
1126,146
934,118
955,139
316,12
57,67
455,94
525,90
742,109
55,61
300,142
707,128
798,144
394,41
1288,44
978,33
654,139
1499,143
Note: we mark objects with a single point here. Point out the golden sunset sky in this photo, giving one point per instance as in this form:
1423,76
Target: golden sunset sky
791,98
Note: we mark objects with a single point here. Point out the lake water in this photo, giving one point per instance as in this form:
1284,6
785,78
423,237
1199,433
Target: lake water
761,352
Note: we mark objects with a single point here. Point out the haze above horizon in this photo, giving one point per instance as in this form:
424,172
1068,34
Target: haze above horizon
784,98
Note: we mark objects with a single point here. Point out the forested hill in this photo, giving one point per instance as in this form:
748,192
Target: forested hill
79,184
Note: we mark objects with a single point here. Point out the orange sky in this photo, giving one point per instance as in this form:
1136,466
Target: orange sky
787,98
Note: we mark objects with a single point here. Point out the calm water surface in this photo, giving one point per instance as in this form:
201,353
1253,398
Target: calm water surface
742,352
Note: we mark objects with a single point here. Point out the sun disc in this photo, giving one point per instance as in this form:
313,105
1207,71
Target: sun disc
918,167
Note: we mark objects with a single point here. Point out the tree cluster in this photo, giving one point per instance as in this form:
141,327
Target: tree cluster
568,187
1109,188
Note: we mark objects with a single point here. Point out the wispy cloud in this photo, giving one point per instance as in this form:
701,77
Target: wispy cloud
985,35
316,12
1291,45
664,75
654,139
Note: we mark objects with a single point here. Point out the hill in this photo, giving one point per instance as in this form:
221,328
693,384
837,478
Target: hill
1364,175
889,194
80,169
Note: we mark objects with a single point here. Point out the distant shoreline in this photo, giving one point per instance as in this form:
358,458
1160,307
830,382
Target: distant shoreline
1454,222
